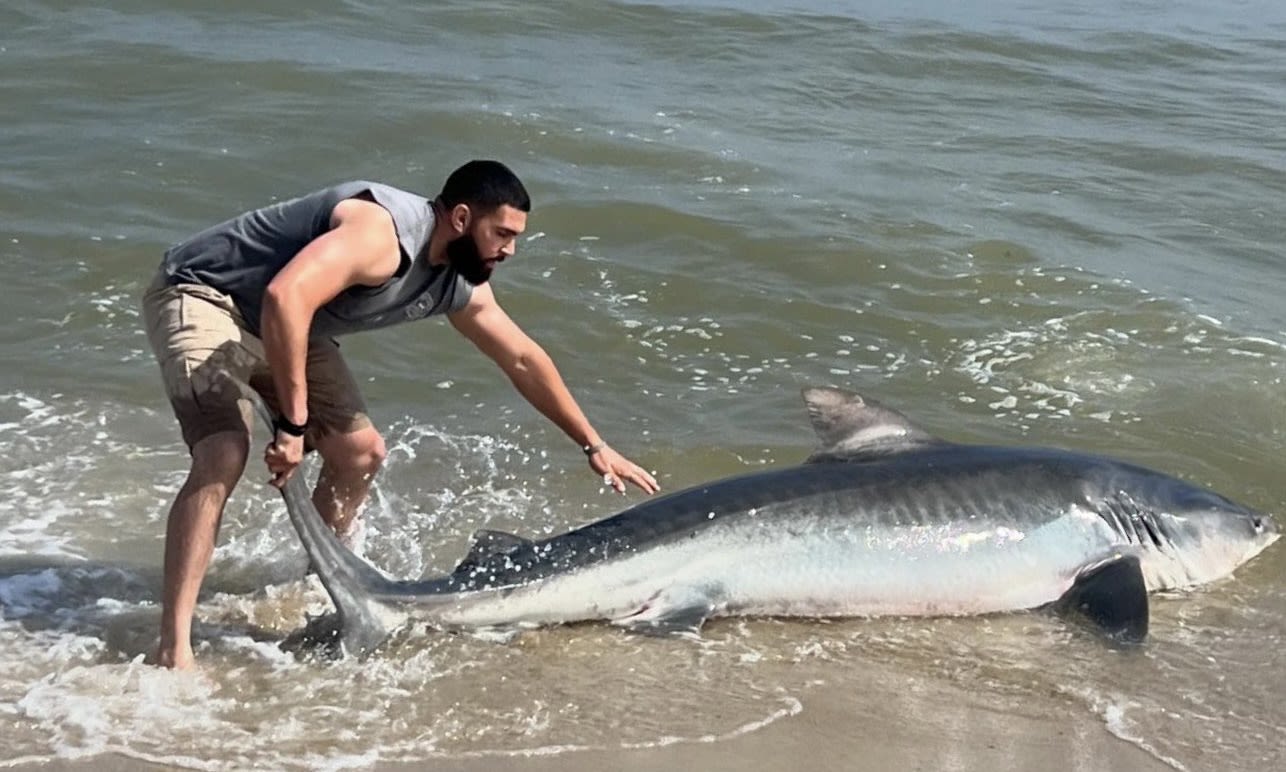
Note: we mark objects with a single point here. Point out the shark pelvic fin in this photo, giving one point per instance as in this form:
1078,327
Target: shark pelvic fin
674,612
854,428
1113,596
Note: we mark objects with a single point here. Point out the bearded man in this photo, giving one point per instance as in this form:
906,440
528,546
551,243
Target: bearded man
259,300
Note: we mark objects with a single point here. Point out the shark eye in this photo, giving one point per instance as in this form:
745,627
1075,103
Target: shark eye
1257,523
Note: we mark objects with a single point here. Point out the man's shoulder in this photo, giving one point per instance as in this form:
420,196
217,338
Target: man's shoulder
353,187
405,206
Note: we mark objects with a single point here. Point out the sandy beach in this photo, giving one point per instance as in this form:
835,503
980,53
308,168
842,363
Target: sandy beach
939,728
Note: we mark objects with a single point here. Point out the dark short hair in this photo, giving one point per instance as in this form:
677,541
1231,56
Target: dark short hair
484,186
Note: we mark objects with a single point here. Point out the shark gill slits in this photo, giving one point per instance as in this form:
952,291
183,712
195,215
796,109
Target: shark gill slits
1150,526
1112,515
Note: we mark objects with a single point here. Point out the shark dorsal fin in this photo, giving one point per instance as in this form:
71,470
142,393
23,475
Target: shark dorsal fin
853,428
487,544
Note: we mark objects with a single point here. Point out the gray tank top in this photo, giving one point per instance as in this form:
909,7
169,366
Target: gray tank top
239,257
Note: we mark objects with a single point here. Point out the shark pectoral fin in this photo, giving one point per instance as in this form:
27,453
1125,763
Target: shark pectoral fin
674,612
487,543
1113,596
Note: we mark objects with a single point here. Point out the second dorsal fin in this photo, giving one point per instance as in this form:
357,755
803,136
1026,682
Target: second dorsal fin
487,544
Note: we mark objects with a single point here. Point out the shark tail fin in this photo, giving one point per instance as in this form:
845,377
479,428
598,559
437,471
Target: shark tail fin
353,584
1113,596
324,547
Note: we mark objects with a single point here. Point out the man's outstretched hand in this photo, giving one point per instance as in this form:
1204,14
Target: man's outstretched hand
618,470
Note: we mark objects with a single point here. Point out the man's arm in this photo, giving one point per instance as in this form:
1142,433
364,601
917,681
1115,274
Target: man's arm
536,377
360,248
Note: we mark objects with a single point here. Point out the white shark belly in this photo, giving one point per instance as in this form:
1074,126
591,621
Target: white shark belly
951,568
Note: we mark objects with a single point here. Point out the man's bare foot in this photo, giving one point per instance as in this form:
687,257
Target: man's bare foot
176,658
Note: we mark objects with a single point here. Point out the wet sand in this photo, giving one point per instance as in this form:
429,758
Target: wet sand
938,728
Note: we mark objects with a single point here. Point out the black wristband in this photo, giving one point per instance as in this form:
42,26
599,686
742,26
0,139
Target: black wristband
283,424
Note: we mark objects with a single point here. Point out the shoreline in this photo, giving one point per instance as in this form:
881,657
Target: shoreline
940,728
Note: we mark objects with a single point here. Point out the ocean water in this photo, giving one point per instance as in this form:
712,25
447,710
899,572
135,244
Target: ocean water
1033,222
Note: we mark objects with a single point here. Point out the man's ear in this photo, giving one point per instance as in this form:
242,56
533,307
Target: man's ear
461,217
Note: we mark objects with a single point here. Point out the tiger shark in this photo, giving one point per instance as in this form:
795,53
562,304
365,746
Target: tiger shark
882,519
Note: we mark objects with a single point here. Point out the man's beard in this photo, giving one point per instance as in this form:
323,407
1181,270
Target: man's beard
466,259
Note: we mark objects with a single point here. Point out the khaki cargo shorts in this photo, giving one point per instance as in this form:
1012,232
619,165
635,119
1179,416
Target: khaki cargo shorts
207,356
